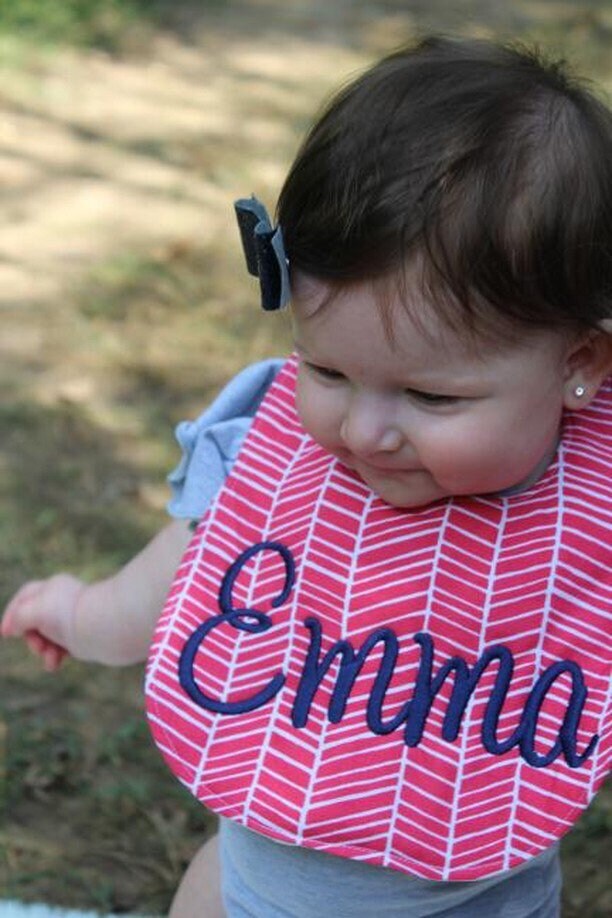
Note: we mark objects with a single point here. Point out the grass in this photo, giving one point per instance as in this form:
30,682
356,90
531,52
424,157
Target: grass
108,25
156,285
103,785
139,337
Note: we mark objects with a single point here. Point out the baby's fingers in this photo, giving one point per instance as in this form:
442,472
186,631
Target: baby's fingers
51,653
53,657
19,614
36,642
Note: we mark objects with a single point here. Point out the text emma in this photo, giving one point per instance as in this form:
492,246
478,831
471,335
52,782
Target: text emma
413,714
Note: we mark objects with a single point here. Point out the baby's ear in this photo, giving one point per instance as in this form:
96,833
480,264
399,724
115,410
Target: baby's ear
589,362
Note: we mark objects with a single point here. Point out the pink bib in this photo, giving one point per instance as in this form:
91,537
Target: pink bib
425,690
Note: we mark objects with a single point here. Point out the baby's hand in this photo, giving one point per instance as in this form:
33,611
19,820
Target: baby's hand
42,612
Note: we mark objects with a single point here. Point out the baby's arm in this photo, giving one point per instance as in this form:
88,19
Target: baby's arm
110,621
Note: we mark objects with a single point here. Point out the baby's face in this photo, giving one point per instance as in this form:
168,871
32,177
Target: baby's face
424,415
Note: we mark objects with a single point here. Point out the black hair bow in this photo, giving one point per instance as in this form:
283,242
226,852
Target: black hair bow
264,251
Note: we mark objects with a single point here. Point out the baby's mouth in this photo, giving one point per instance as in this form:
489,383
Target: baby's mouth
385,470
362,466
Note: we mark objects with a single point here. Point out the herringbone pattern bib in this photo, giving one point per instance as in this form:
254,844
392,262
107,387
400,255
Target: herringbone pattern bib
427,690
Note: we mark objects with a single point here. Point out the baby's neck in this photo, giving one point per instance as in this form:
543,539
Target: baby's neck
533,476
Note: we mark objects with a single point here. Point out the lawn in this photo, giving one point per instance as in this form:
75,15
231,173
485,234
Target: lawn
127,130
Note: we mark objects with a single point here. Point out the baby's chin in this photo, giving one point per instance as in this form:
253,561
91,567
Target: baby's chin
404,490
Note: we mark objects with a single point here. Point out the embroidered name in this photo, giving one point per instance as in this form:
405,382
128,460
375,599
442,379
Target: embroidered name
413,714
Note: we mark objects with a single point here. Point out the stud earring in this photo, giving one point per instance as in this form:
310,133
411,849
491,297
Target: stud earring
579,391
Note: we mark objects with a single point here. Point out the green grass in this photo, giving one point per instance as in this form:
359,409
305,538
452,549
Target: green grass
109,25
94,820
76,499
146,283
89,815
93,23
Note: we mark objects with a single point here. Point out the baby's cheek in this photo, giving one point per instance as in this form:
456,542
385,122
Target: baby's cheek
312,419
320,412
454,463
304,406
439,448
302,401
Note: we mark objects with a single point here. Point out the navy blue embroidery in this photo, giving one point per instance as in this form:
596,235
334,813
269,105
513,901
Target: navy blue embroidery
414,712
251,620
350,666
566,741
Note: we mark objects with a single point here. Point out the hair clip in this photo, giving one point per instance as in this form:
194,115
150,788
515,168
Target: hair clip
264,252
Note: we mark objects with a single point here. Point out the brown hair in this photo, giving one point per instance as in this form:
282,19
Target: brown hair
490,162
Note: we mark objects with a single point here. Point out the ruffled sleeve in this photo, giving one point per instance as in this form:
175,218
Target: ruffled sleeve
211,443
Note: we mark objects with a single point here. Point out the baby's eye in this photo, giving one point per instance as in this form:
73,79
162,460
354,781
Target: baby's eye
325,372
432,398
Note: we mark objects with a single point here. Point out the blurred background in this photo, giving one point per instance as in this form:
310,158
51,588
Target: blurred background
127,129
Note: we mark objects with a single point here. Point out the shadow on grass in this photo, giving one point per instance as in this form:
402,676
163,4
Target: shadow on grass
89,816
65,493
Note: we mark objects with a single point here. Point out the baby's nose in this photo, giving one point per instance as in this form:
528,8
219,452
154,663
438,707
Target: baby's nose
369,427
